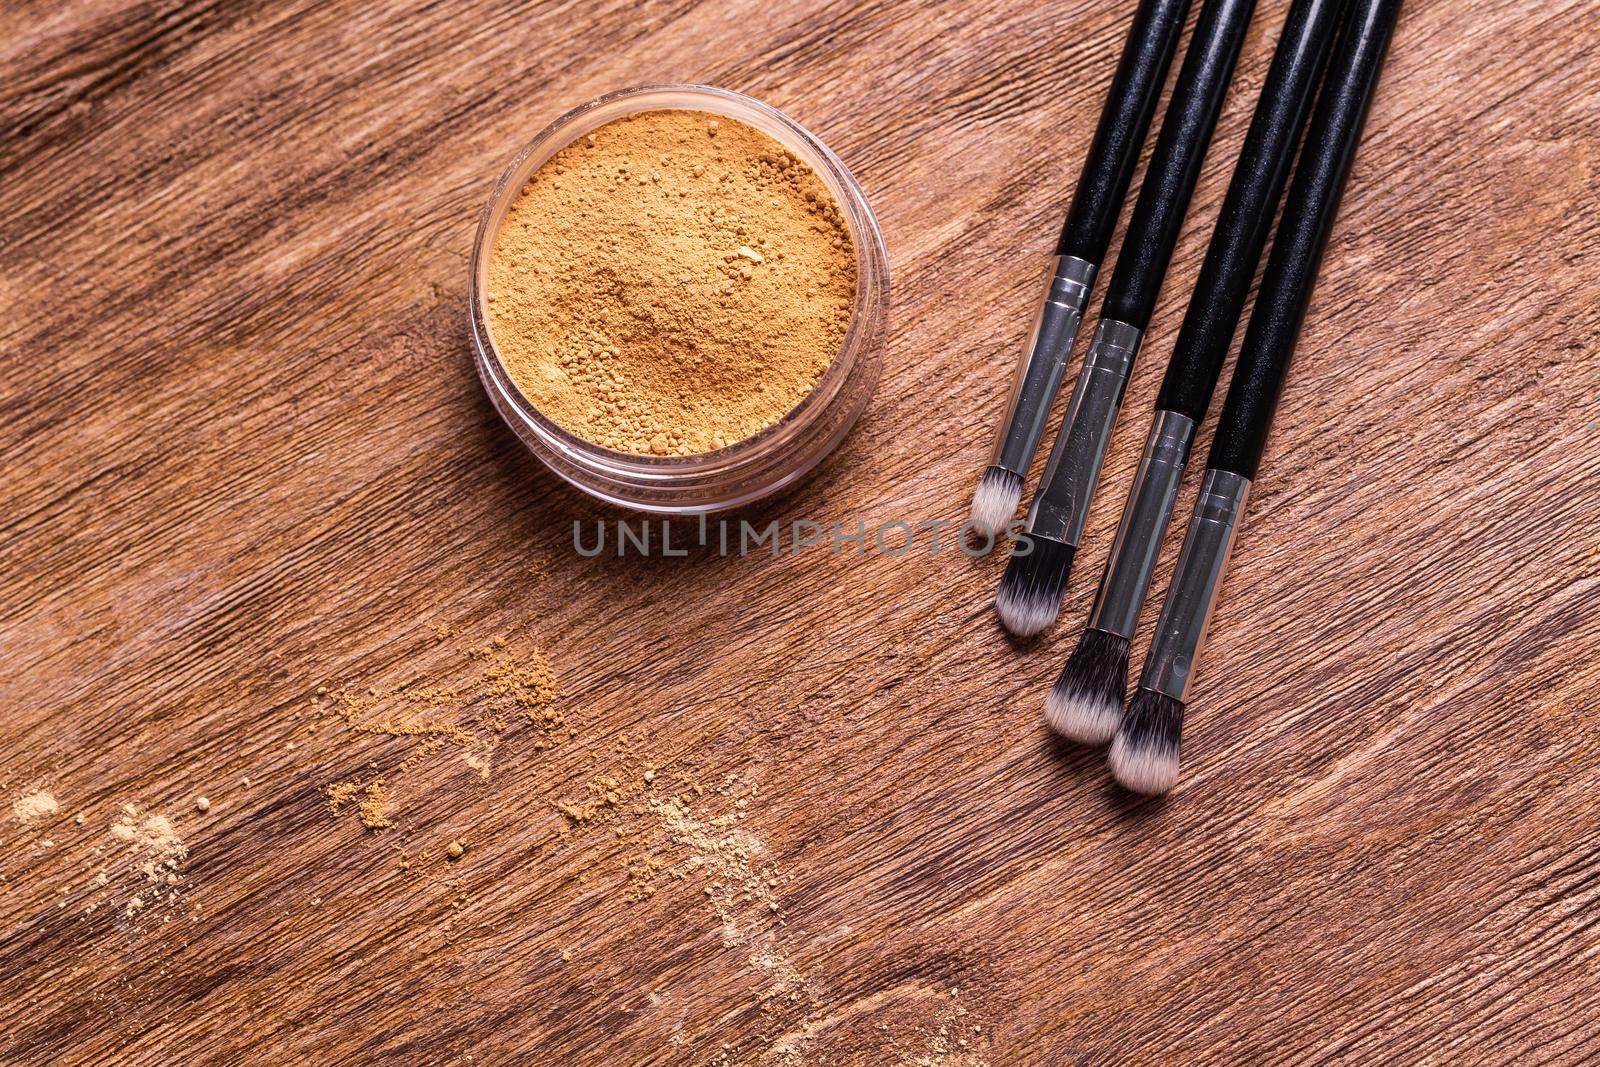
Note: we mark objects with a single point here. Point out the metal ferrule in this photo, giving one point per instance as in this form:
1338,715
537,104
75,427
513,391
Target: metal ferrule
1039,375
1182,630
1144,524
1062,504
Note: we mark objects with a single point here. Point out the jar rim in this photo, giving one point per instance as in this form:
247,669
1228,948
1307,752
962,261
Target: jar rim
624,468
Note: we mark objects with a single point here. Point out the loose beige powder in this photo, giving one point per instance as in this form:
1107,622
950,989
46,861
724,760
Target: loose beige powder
671,283
34,807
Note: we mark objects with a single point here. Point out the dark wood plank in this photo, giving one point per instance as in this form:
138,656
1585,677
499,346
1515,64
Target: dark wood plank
247,459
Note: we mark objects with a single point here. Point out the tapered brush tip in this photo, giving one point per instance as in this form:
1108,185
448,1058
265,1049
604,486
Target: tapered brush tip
1144,754
1085,704
1029,598
995,501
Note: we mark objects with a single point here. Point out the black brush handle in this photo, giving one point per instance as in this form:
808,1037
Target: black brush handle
1247,209
1302,236
1175,163
1131,101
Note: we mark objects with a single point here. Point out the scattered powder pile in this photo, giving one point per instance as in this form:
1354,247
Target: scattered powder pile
742,894
526,681
426,712
739,884
948,1041
157,853
33,807
603,804
732,857
642,872
370,799
143,863
671,283
510,685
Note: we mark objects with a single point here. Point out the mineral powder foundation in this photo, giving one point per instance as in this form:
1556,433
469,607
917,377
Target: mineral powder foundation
671,283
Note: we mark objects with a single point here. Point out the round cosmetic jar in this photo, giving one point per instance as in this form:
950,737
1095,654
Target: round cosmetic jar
756,466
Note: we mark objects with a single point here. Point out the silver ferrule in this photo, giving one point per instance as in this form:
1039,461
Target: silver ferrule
1144,524
1061,507
1039,375
1182,630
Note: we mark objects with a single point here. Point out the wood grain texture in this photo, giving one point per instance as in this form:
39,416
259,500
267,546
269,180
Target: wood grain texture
246,456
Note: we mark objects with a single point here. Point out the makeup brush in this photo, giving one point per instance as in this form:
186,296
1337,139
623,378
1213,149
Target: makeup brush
1086,702
1107,170
1029,597
1144,753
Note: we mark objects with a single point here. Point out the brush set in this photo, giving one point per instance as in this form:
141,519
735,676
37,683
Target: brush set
1308,120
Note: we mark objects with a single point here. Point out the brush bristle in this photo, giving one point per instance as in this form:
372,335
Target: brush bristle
1144,754
1085,704
1029,598
995,502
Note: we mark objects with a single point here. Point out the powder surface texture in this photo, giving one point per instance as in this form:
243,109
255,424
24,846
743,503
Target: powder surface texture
671,283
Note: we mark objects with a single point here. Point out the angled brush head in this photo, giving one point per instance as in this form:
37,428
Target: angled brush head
995,501
1029,598
1085,704
1144,754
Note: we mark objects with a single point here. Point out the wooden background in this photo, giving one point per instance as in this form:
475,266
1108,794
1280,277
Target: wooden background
246,457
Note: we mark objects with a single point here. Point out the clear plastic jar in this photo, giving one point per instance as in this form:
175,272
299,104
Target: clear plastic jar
756,466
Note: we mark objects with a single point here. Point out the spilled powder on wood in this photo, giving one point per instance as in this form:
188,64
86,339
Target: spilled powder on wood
157,853
505,685
733,874
370,800
735,878
34,807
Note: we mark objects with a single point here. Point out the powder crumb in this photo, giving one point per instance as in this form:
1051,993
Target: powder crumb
624,299
576,813
642,873
202,804
371,801
34,807
454,850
